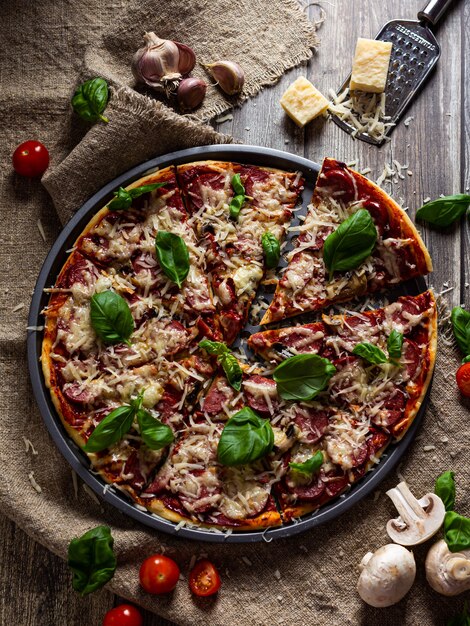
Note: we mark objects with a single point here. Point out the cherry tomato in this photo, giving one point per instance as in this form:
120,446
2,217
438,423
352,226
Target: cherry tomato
31,158
463,379
123,615
204,579
159,574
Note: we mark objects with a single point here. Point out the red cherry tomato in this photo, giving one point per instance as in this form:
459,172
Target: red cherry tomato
31,158
159,574
204,579
123,615
463,379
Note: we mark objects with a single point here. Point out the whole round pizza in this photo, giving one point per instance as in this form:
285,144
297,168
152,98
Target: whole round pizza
139,355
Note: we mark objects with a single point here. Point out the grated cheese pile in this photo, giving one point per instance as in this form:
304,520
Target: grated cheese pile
363,111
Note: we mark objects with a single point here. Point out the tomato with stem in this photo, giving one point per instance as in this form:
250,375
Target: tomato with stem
31,158
123,615
159,574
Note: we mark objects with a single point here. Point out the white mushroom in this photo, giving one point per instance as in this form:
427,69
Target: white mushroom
387,575
448,572
419,519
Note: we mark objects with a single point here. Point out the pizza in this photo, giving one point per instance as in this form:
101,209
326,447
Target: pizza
399,253
138,356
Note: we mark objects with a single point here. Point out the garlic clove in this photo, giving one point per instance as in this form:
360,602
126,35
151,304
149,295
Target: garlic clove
161,63
229,76
191,93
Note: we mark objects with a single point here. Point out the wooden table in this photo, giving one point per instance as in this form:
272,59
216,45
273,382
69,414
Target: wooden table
436,148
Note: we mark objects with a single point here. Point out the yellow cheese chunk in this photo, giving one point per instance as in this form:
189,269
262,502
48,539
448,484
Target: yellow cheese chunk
302,102
370,66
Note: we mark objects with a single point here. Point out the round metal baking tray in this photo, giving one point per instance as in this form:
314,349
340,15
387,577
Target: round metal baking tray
255,155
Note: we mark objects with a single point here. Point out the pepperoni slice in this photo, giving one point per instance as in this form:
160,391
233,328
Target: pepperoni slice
309,492
312,424
338,183
256,389
303,339
411,357
168,404
379,214
78,272
132,471
231,323
219,394
392,410
335,482
377,441
78,393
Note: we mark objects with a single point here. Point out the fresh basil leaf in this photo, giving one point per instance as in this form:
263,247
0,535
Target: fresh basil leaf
92,560
215,348
310,466
155,435
235,206
456,531
460,620
461,327
232,370
173,256
445,489
237,185
90,100
370,353
444,211
111,429
111,317
229,363
246,438
123,197
466,359
351,243
271,249
303,376
239,197
395,345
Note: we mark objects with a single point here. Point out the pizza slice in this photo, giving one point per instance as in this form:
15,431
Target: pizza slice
122,241
311,280
232,238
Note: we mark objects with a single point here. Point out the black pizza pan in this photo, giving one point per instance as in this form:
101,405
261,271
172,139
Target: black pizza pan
56,258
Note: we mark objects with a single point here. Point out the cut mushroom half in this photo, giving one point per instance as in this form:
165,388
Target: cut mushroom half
448,572
418,520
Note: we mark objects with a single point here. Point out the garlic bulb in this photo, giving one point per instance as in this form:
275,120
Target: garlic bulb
162,63
190,94
229,75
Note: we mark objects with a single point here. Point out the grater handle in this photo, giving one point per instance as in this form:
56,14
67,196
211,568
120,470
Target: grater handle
433,11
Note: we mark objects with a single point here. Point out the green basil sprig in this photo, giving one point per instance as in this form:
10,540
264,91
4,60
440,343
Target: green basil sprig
370,353
303,376
461,327
351,243
239,197
173,256
118,423
225,358
460,620
444,211
395,345
309,467
246,438
271,249
92,560
445,489
123,197
111,317
90,100
456,531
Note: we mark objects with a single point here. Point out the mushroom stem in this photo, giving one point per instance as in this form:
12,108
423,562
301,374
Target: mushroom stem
448,572
418,519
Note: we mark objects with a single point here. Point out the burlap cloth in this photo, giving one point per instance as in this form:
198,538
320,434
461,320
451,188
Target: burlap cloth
317,569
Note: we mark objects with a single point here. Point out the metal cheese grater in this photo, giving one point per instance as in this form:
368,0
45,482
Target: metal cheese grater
415,52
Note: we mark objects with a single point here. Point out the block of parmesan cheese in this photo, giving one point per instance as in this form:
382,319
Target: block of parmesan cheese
370,66
302,102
